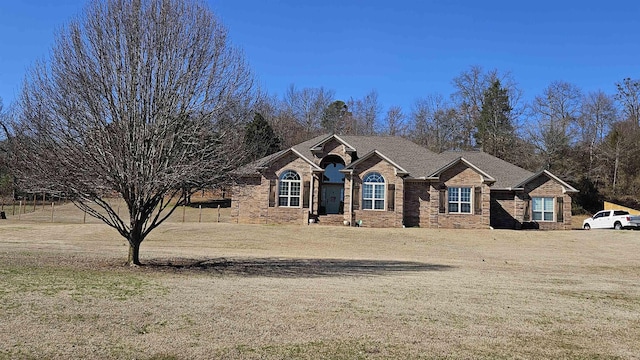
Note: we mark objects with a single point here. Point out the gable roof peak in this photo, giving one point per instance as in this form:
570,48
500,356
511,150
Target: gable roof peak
318,146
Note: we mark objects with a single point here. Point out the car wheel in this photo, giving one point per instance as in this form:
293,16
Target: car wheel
617,226
587,227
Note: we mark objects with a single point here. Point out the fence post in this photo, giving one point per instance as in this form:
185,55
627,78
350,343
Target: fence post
35,198
19,209
84,216
13,202
51,210
200,213
218,213
183,209
43,199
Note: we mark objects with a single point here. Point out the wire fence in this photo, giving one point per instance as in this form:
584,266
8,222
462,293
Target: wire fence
64,211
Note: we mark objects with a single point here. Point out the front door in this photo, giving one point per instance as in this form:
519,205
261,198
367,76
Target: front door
332,197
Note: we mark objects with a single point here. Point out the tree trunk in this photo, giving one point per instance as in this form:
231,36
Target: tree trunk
134,254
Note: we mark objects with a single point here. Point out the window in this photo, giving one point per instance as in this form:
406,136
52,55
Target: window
460,200
373,192
542,209
289,191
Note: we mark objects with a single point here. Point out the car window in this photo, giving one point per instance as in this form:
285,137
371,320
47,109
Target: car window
601,214
620,212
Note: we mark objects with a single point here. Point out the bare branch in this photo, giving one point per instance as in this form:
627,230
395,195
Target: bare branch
142,98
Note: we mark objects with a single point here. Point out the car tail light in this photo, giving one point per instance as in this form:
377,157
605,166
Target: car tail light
628,218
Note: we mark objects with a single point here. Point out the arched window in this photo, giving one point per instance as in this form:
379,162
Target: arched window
373,192
289,191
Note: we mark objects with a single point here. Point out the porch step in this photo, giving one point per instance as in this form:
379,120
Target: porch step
332,219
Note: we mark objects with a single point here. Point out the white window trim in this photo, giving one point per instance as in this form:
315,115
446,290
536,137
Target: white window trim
552,211
373,199
460,202
288,183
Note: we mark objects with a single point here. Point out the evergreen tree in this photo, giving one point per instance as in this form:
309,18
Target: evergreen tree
335,116
494,129
260,139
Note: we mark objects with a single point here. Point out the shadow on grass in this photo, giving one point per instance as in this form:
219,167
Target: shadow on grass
292,268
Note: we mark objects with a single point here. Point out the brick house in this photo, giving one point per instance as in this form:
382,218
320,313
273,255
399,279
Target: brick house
384,181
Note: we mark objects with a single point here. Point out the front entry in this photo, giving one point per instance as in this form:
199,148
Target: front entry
333,198
332,186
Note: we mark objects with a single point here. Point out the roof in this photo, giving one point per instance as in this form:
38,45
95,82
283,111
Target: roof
418,161
507,175
486,177
567,188
412,160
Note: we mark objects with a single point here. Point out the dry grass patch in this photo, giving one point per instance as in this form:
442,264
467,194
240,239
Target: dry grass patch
269,292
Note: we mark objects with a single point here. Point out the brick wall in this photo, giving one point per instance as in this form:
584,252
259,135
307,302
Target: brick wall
417,205
250,200
332,147
378,218
543,186
503,210
250,203
461,175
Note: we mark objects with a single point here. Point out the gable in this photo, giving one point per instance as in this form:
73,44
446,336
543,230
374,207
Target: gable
546,181
461,174
332,147
289,161
457,167
375,163
542,185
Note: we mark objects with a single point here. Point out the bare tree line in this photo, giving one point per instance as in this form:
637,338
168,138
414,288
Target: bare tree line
586,137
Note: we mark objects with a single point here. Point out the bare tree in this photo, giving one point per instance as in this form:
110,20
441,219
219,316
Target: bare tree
365,112
597,115
307,106
433,123
140,98
555,114
395,121
628,96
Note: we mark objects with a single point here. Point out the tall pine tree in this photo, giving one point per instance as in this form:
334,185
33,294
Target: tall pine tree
260,139
494,129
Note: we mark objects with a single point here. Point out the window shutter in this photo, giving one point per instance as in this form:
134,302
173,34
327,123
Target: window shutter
355,201
560,213
477,199
443,201
305,194
272,193
526,216
391,197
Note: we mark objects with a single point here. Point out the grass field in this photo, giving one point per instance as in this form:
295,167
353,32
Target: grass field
220,290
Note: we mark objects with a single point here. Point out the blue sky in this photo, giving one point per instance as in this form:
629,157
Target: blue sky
402,49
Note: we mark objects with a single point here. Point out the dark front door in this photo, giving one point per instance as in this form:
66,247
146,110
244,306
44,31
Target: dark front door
333,198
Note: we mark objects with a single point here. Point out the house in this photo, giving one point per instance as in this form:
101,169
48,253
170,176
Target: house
385,181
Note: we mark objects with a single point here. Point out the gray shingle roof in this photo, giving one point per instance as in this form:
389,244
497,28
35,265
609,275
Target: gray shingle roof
506,174
417,160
